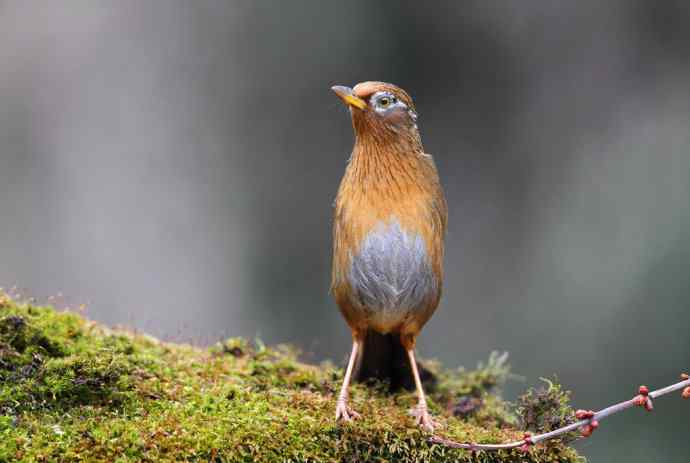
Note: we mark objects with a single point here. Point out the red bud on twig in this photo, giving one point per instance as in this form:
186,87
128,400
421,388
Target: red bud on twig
584,414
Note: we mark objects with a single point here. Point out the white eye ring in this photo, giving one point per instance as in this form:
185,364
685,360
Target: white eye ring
382,101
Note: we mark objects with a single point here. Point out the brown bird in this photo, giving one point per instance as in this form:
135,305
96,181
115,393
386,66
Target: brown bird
388,236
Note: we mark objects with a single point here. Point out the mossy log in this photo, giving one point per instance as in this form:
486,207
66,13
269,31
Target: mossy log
74,390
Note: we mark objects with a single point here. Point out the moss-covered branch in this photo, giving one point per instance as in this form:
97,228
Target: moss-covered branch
73,390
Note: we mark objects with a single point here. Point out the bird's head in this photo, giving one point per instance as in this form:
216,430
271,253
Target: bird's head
380,110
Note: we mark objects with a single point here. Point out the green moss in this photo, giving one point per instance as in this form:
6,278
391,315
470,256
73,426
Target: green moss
73,390
547,408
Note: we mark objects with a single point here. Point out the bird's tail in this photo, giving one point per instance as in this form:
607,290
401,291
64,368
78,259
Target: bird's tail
384,358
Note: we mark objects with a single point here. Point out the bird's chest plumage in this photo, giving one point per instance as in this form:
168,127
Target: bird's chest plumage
390,273
387,263
388,235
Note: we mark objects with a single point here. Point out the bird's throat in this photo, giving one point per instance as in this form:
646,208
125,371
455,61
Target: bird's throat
392,165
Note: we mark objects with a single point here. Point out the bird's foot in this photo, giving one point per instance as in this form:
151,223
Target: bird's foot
423,418
343,412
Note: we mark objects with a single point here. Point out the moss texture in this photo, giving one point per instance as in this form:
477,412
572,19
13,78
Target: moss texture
73,390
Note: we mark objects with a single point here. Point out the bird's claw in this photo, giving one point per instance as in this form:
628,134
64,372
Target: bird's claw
423,418
345,413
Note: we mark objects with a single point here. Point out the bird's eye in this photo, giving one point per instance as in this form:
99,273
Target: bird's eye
386,101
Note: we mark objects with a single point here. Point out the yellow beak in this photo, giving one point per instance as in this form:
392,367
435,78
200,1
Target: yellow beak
345,94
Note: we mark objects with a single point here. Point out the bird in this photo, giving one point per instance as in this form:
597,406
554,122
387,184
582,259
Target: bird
389,226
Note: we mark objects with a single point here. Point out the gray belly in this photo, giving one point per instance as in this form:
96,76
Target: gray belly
391,276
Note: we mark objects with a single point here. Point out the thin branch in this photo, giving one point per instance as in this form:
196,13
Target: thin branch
588,420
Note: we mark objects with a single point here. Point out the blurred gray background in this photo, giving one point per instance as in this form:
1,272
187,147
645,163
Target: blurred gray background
173,165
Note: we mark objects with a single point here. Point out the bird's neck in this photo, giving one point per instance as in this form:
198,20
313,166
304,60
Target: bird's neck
389,165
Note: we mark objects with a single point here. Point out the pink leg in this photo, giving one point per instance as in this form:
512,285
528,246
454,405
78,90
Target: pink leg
342,411
421,413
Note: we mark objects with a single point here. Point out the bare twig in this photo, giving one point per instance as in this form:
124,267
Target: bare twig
588,420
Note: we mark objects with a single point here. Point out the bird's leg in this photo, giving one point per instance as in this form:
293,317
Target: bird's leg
342,411
421,412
